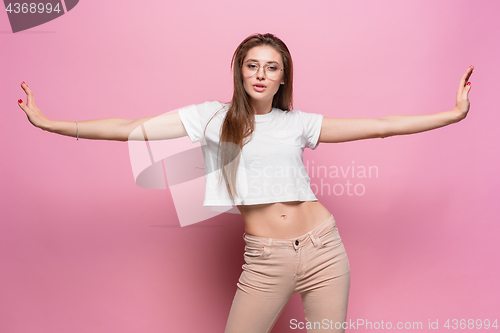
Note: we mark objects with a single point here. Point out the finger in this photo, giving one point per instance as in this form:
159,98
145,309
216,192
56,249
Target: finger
29,94
465,77
461,84
468,86
468,77
465,93
22,105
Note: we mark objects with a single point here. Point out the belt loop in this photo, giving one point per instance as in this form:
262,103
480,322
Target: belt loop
267,248
316,241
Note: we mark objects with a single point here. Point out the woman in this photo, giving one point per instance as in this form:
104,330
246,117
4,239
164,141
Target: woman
292,242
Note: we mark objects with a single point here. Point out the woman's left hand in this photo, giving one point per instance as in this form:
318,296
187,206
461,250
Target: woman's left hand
463,104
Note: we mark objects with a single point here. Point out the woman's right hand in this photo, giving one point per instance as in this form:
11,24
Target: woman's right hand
164,127
35,116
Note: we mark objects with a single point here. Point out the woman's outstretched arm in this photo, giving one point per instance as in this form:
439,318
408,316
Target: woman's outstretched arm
166,126
350,129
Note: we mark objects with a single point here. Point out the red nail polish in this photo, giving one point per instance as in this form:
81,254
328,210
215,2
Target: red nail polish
25,84
20,101
468,84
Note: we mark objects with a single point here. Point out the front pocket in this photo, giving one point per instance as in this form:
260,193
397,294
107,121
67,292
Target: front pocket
332,239
254,251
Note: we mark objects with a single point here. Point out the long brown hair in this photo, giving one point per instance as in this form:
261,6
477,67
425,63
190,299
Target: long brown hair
239,122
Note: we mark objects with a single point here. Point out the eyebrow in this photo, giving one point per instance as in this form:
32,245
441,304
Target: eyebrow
269,62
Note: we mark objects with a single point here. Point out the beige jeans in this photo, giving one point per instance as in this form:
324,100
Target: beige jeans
314,265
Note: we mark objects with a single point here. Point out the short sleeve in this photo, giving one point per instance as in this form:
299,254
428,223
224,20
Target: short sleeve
312,128
195,118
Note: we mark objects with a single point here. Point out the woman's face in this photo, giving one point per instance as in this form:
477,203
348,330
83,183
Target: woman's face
259,87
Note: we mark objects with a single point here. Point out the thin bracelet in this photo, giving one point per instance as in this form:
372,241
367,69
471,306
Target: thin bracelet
76,129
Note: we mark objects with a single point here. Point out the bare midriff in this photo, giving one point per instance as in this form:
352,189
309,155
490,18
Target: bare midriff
283,220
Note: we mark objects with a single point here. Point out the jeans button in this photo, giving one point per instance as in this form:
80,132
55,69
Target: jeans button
296,242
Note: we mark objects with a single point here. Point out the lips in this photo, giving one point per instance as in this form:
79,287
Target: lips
259,87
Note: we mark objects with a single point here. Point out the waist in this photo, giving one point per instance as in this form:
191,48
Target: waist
321,230
283,220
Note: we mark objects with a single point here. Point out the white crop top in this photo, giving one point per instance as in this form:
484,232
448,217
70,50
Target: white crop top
270,169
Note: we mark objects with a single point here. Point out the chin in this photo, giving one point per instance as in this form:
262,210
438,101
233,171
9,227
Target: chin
262,99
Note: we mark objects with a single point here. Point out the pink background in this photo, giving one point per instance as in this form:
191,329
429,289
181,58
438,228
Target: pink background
84,249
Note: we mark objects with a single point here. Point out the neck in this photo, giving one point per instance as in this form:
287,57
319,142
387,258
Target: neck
261,107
